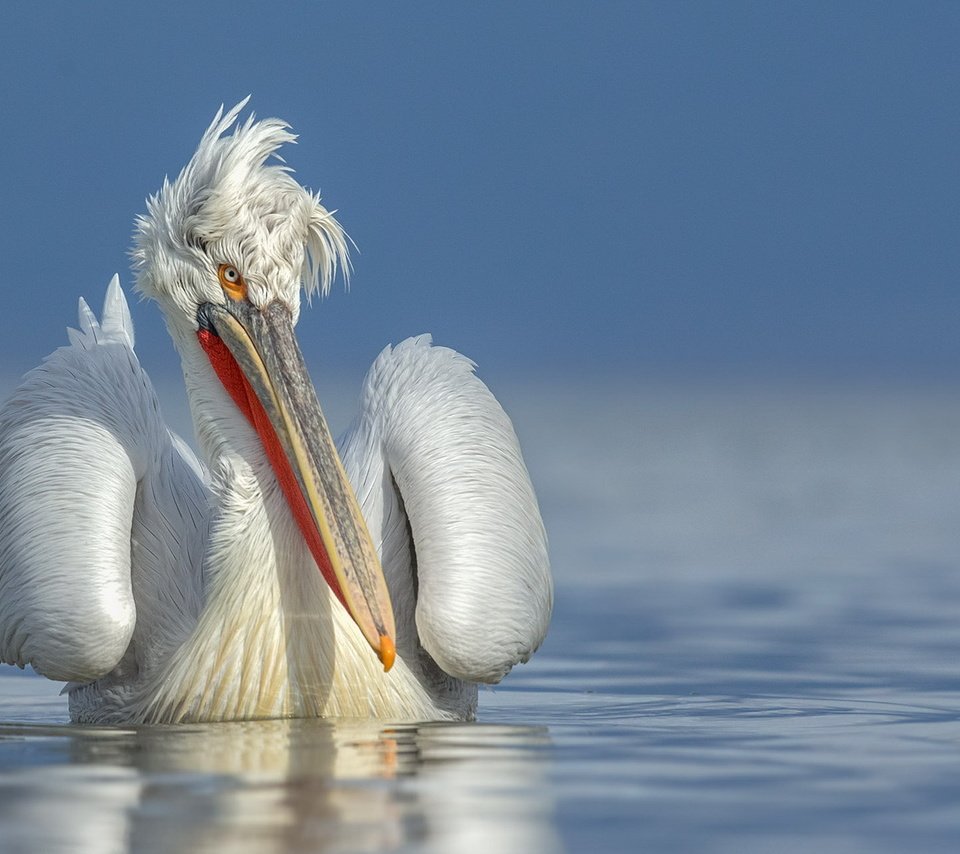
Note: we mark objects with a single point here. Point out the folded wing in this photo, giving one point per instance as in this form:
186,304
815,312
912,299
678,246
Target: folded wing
77,441
483,594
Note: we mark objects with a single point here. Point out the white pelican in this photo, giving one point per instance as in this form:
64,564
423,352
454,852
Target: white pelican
163,590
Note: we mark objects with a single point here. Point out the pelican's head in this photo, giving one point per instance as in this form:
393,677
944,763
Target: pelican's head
229,207
225,250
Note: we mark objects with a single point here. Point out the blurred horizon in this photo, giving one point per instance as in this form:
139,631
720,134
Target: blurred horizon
597,192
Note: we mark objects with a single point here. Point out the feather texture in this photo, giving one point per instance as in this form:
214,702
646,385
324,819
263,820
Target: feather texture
95,501
484,593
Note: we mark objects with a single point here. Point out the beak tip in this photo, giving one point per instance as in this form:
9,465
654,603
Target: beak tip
387,652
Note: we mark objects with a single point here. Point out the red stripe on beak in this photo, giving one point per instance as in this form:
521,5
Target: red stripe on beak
243,395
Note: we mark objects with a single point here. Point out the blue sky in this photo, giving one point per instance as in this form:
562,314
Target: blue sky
606,189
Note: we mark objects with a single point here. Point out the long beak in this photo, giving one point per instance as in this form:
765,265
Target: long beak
256,355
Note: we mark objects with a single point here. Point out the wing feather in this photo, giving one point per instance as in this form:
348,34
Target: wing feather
484,592
75,442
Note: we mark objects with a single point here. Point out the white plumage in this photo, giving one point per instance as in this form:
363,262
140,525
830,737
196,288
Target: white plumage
163,589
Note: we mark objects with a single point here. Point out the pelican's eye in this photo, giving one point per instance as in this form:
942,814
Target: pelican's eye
232,282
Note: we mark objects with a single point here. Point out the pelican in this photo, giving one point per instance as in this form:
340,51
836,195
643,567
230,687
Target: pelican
285,575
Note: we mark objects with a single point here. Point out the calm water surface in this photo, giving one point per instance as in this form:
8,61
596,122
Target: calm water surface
755,648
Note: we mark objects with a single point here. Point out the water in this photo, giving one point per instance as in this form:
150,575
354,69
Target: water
755,648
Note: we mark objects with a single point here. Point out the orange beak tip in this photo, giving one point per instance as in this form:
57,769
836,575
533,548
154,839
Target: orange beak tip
387,652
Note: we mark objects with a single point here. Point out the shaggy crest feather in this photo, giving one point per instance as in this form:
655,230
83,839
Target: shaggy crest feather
229,195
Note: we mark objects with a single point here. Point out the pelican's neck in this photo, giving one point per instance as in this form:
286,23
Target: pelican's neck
222,431
263,635
254,541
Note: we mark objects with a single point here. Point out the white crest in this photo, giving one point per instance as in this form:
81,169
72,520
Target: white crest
230,203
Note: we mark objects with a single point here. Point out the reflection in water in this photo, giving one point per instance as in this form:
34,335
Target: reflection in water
275,786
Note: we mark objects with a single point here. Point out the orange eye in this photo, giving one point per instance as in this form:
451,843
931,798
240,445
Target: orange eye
232,281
